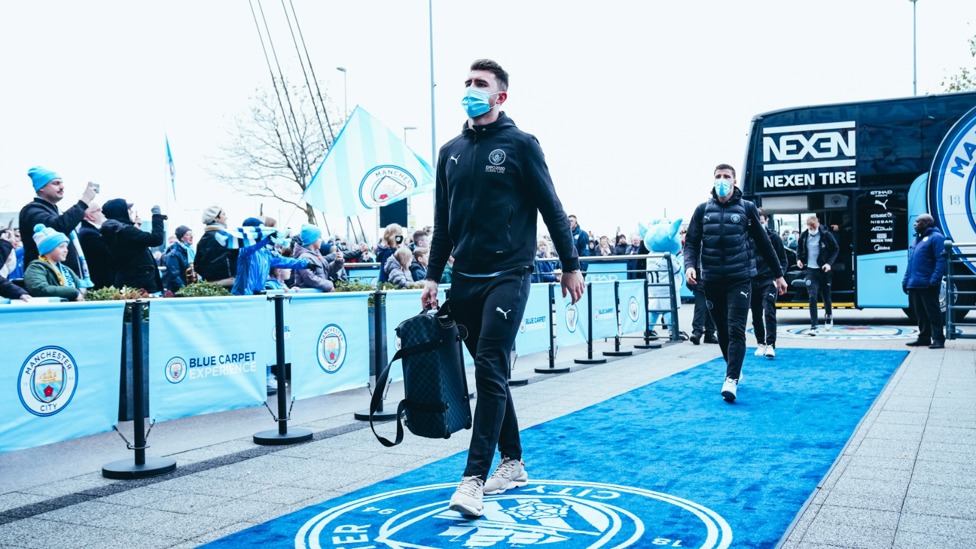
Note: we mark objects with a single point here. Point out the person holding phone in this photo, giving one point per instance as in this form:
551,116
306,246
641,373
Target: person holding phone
43,210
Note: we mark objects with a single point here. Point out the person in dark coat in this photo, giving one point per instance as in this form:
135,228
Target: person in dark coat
215,262
816,253
179,260
101,266
136,267
43,210
923,282
723,236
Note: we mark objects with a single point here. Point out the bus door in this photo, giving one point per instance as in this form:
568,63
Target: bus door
881,246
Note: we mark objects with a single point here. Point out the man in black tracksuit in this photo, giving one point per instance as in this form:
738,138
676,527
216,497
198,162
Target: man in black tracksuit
816,252
717,245
764,294
492,182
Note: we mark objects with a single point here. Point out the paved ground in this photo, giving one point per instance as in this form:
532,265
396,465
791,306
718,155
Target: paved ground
905,479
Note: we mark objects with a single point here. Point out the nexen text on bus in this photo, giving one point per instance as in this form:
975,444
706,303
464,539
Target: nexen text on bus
831,145
809,179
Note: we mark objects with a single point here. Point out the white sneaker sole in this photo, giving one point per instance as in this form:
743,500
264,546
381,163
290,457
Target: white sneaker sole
465,510
517,483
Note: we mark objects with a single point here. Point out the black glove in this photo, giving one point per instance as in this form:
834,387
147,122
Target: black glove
904,287
310,266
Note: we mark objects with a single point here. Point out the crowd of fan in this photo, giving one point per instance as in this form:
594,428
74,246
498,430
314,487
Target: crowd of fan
92,245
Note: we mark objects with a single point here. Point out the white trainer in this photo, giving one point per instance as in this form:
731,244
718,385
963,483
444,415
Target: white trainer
729,389
760,350
509,474
770,351
468,496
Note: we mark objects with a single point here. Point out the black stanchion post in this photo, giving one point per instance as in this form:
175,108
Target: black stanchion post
552,337
616,339
282,436
647,319
378,358
589,332
675,331
140,468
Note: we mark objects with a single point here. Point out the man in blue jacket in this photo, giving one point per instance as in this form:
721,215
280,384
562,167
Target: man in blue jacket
923,281
492,183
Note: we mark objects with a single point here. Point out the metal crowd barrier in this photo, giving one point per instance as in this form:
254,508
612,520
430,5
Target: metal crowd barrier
960,291
186,346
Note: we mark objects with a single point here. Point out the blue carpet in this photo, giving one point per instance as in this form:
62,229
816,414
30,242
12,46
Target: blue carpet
669,464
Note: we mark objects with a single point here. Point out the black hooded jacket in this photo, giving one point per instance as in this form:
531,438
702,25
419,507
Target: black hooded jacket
491,182
718,243
136,267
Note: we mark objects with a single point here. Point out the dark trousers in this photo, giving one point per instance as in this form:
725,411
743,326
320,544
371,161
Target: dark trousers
764,296
818,282
491,309
702,322
729,304
925,303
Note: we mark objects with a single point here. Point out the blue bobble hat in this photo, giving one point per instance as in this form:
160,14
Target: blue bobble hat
252,222
47,239
41,177
310,233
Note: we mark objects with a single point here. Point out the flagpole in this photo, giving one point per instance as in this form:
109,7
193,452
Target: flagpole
433,124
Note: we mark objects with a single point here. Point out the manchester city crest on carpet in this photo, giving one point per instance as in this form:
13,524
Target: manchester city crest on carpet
175,370
48,380
563,514
331,348
384,184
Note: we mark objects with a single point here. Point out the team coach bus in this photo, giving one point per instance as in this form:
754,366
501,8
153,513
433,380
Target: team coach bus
867,169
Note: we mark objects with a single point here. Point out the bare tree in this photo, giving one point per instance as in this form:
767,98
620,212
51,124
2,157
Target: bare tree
965,80
273,152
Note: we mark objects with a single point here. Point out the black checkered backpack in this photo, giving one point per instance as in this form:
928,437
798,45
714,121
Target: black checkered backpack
436,401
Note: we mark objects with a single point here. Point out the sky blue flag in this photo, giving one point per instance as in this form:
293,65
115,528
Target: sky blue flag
368,166
171,167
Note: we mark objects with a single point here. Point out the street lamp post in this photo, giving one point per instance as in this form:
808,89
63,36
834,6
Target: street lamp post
914,55
345,93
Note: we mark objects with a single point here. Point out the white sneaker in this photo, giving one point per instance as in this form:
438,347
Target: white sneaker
467,498
770,351
509,474
729,388
760,350
812,331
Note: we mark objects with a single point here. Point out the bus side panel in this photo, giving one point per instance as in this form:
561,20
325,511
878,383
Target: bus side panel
879,279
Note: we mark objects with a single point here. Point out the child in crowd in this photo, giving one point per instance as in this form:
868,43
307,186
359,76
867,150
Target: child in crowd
48,275
397,267
278,280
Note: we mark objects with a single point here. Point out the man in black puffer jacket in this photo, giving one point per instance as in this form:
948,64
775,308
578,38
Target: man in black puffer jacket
717,246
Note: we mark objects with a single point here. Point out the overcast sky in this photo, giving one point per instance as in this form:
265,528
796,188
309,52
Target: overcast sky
634,102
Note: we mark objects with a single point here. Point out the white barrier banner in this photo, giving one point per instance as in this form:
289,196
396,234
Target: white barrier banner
61,377
207,355
329,337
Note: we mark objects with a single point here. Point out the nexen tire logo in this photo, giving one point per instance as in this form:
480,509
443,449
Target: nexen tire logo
807,146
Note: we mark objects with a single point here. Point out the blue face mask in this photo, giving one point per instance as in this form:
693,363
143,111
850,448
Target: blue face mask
475,102
723,187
